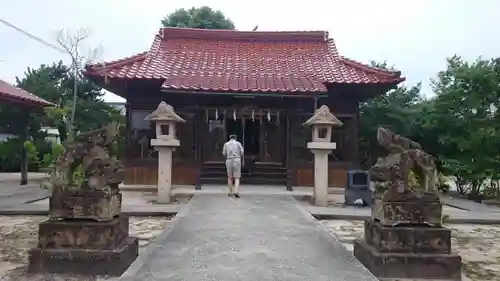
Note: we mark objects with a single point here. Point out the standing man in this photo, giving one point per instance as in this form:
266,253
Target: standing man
233,151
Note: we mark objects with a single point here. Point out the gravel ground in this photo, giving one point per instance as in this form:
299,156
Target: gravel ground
19,233
479,245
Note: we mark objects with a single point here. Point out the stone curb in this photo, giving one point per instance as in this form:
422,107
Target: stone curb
127,213
450,220
332,238
11,211
141,260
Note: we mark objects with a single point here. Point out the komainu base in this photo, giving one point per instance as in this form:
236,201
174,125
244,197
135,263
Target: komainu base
429,266
84,261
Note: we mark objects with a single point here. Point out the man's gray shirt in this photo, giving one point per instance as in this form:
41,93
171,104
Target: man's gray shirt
232,149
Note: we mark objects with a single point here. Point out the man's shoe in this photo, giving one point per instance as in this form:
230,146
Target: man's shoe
230,194
237,195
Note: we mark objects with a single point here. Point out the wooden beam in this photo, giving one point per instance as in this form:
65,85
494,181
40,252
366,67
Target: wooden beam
236,94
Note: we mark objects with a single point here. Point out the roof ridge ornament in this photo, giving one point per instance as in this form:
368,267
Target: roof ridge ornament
164,112
323,116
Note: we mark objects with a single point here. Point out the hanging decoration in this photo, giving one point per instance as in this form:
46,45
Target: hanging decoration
234,114
216,114
268,115
253,115
277,118
206,115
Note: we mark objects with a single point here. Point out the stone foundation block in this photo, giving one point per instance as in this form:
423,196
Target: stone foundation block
83,261
407,212
407,239
408,265
99,205
83,234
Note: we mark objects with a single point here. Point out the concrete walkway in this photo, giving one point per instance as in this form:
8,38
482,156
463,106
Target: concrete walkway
262,238
16,177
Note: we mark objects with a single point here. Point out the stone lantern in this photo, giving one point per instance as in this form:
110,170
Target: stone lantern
165,142
321,145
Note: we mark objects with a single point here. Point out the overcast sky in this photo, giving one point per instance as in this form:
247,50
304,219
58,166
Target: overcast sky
415,36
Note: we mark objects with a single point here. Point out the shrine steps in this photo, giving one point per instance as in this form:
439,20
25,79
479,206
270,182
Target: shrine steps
256,173
245,180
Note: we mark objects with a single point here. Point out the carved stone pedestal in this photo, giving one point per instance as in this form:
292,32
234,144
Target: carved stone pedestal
99,205
84,246
405,239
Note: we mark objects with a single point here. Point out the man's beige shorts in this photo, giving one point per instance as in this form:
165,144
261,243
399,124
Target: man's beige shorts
233,167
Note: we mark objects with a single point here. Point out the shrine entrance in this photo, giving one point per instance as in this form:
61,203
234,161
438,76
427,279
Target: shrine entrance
262,133
247,132
262,142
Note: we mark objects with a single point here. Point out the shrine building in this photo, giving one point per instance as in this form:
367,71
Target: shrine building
258,85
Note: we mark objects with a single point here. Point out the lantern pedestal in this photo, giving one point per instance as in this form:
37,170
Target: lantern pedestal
321,151
164,148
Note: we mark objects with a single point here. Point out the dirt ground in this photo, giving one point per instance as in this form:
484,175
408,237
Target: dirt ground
479,245
19,233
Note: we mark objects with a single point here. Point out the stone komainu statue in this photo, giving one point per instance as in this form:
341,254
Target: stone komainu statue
91,150
392,172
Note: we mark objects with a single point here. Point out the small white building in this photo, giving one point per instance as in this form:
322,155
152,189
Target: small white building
52,134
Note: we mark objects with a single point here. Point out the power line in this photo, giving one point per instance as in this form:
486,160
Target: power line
36,38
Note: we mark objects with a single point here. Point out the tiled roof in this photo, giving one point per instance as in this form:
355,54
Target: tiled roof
18,95
241,61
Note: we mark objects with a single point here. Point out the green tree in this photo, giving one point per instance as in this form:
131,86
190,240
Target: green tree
464,118
55,84
396,110
203,17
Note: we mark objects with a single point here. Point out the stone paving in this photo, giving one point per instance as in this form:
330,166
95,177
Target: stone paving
134,204
253,238
336,210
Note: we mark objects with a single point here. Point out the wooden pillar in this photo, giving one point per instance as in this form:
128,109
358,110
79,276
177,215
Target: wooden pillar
355,137
198,145
24,154
128,131
242,132
288,138
315,99
262,140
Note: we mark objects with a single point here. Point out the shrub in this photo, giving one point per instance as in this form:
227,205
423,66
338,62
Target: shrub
49,158
10,155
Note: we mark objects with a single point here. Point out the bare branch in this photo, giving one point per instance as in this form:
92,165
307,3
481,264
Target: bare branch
72,43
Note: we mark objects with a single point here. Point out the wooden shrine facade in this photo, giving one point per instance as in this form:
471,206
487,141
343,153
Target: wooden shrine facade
227,84
270,129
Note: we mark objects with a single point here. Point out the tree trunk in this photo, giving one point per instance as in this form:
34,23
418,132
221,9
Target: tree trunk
24,153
